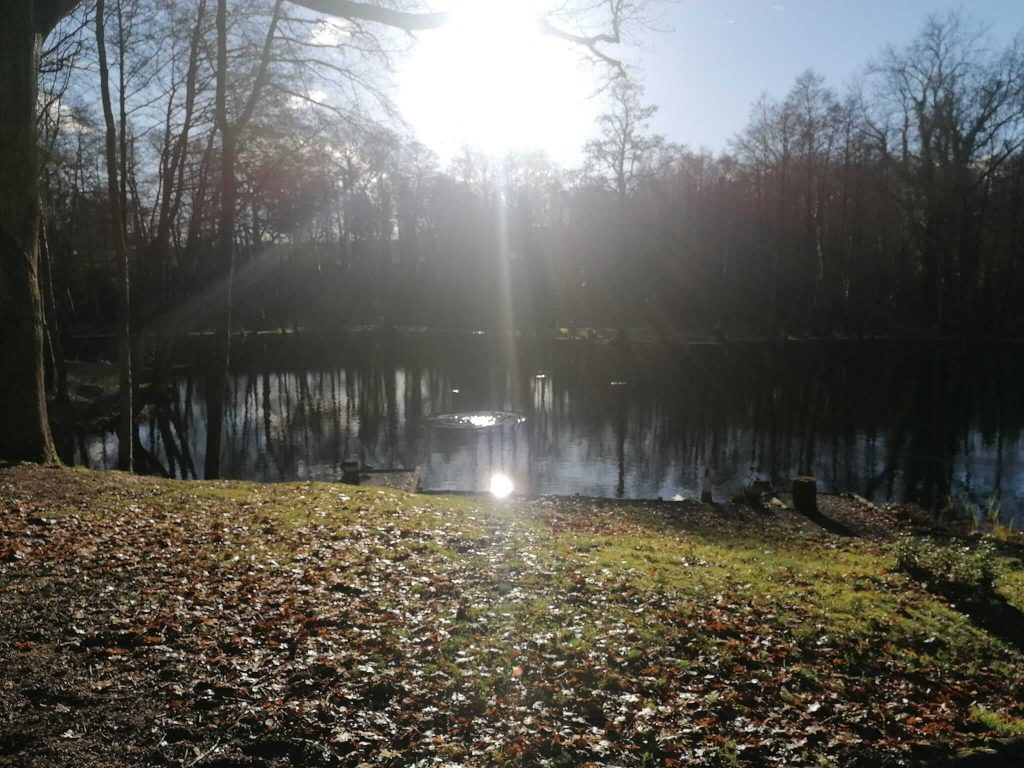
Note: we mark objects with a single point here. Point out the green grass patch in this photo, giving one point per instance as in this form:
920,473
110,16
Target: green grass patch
961,568
1005,726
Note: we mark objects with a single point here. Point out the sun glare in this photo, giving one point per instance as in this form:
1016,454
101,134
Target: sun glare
491,80
501,486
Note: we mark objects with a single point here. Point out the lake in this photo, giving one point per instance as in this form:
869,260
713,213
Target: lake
890,421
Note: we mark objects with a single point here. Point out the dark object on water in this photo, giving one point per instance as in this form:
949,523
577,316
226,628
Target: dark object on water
805,495
350,471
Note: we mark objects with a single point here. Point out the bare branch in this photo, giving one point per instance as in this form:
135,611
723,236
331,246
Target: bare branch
589,42
404,20
415,22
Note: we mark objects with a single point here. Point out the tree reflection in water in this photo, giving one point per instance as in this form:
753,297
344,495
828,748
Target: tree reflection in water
889,421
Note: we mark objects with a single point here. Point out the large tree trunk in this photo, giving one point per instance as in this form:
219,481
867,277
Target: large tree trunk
24,430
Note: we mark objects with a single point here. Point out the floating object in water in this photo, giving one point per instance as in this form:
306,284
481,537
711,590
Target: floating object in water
455,391
617,383
541,376
501,485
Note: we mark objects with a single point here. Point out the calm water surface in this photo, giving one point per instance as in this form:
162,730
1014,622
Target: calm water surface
891,422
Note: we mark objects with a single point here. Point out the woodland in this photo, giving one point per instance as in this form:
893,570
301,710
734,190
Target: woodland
204,167
889,208
183,169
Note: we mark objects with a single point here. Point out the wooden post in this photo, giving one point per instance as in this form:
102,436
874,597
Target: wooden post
805,495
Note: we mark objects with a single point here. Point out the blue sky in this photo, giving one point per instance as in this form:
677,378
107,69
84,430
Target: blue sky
720,55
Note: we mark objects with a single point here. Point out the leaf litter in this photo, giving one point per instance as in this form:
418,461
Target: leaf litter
147,622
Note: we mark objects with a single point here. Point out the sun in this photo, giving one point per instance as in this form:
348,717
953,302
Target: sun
491,80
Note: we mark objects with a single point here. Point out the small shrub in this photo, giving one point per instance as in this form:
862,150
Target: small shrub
948,567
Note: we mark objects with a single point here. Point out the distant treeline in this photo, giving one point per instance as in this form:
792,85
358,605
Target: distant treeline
894,208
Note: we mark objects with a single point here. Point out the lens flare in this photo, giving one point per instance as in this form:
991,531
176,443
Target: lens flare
501,486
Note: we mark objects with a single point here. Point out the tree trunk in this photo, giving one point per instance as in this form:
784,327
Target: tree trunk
217,380
126,425
217,377
53,325
25,432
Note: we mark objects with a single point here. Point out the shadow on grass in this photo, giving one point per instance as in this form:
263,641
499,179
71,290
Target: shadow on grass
830,525
978,602
991,613
992,754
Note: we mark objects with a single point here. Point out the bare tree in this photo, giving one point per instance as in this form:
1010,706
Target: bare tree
116,192
619,158
230,128
954,112
22,397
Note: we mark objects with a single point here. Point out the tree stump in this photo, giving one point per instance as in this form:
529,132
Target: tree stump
805,495
350,471
705,488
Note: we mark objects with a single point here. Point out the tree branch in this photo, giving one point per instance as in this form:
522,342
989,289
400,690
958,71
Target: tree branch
590,42
404,20
415,22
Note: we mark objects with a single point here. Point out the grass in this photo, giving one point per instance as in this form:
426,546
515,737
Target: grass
957,568
652,626
1001,725
846,592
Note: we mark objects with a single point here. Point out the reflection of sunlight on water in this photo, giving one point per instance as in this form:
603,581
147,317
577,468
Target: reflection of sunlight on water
292,425
478,451
475,420
501,485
